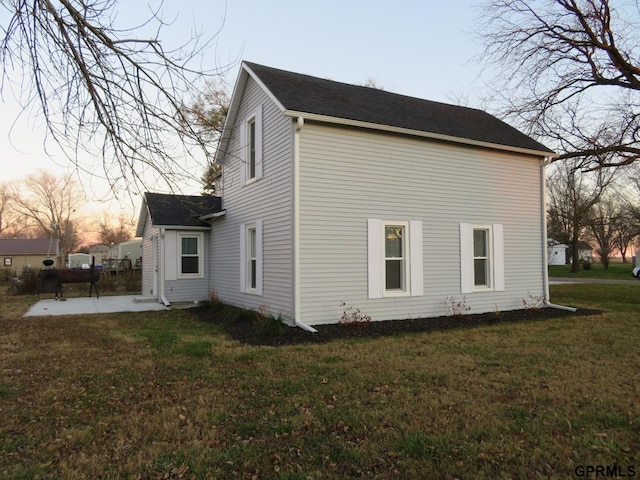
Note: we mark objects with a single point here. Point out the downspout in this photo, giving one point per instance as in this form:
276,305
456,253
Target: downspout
163,298
545,264
296,228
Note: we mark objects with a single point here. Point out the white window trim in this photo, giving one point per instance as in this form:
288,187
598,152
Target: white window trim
245,168
200,245
414,282
245,260
496,258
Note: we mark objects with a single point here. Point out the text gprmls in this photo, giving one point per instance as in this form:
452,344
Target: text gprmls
607,471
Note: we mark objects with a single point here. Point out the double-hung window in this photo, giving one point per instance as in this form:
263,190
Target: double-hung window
251,257
191,255
251,141
481,258
394,258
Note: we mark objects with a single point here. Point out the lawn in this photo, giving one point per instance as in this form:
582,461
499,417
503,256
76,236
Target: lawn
167,395
616,271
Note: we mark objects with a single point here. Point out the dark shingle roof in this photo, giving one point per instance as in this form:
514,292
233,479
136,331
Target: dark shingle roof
28,246
307,94
181,210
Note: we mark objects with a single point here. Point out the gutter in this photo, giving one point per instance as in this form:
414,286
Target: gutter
545,264
304,326
163,298
418,133
296,226
212,216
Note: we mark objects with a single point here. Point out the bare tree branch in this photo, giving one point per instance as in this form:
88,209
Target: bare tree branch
106,91
569,73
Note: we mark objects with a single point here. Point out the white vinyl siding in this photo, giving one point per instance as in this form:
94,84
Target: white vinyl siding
269,199
348,176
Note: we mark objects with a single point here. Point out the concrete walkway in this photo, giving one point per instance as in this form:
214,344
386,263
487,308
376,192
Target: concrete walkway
92,305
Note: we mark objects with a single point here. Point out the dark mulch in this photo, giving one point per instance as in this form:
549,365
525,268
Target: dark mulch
245,330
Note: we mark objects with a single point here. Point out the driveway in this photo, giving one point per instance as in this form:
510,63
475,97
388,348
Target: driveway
559,280
91,305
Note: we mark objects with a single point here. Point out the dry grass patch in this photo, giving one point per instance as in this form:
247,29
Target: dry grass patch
166,395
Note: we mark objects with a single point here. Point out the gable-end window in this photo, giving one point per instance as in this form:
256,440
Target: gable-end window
481,258
251,141
190,253
394,258
251,258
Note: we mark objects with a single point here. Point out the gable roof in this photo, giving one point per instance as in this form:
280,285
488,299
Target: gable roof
28,246
167,210
327,100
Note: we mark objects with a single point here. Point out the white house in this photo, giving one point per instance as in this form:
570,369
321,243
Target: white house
556,252
176,246
334,193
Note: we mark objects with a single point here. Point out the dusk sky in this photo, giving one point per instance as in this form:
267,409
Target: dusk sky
417,48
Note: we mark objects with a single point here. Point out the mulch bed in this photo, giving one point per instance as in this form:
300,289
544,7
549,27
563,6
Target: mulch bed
246,331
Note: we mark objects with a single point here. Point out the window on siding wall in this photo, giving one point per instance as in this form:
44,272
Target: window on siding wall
8,262
251,140
251,258
481,257
395,258
191,255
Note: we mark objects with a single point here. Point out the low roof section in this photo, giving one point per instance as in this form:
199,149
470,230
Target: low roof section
166,210
28,246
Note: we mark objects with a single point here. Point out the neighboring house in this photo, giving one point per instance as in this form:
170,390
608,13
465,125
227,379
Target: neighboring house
336,194
100,251
176,246
18,253
131,250
556,252
79,260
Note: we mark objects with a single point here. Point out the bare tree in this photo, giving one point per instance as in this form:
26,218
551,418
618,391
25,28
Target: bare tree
602,223
569,72
52,203
114,230
106,90
571,195
206,115
5,205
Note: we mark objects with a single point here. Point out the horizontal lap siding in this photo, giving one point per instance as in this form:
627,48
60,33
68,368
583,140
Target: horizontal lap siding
189,289
350,175
147,259
269,200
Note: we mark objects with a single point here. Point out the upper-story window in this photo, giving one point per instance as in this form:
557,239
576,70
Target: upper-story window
251,141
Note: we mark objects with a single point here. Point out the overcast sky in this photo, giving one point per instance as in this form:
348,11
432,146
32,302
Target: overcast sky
420,48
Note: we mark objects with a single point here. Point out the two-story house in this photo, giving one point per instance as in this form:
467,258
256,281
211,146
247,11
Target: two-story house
339,194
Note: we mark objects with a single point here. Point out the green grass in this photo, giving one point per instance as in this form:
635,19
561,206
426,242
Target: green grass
166,395
616,271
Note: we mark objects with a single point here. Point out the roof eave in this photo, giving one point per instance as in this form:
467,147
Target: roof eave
227,129
418,133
